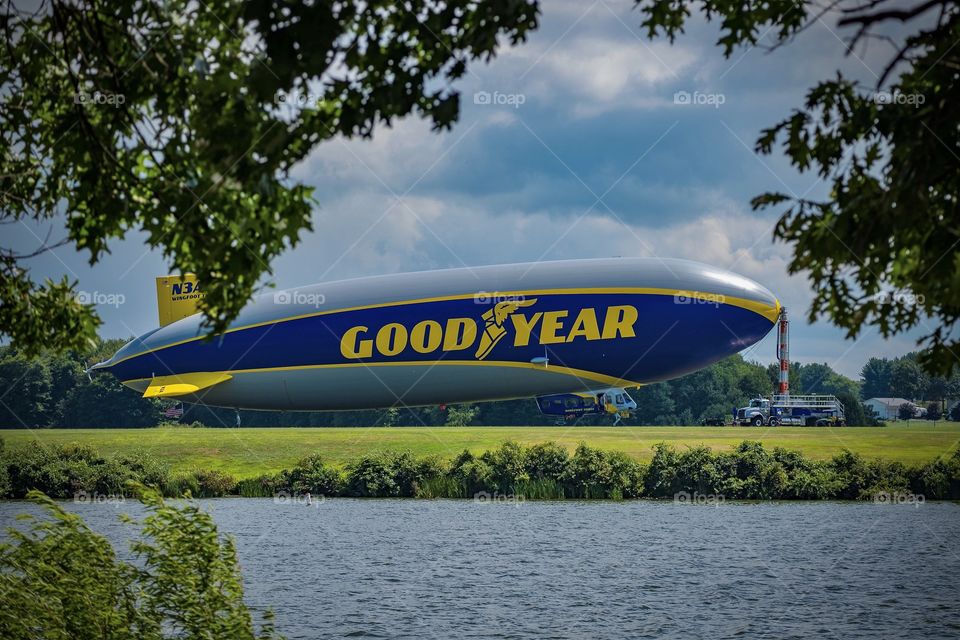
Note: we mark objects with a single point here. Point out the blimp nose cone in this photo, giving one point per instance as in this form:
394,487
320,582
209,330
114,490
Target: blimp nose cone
732,287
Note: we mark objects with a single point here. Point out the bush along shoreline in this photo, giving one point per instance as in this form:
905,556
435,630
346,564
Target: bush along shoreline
510,472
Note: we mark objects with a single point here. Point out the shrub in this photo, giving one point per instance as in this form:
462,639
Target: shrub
435,471
816,483
6,488
508,466
432,467
54,571
113,477
181,485
751,458
63,471
58,579
587,474
543,471
312,475
750,471
406,471
146,470
661,480
938,480
539,489
696,471
885,476
39,467
264,486
473,473
859,479
547,460
214,484
906,411
441,487
626,476
383,475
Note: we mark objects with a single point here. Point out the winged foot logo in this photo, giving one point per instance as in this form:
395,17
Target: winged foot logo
462,333
494,319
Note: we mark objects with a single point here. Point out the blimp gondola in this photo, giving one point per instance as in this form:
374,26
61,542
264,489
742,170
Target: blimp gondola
573,334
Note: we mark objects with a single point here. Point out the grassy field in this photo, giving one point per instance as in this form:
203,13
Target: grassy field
249,451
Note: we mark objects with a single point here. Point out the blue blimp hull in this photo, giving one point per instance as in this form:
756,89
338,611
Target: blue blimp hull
457,335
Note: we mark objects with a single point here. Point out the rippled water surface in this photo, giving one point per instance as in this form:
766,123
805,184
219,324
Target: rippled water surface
447,569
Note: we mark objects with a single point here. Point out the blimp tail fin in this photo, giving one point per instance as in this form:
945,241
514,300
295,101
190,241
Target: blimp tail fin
177,297
183,384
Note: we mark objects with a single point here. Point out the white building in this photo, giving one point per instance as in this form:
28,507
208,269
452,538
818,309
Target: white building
886,408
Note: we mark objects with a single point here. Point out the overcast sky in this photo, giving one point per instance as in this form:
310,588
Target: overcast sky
581,150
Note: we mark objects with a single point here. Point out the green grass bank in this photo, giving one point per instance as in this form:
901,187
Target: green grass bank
249,452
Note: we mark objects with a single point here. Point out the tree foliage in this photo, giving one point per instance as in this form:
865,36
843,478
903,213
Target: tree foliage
903,377
881,249
876,378
52,390
58,579
907,411
184,119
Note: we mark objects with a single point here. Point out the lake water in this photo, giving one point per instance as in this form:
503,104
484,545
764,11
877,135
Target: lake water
450,569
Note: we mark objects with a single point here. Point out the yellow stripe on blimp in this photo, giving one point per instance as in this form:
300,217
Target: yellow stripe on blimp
183,384
191,379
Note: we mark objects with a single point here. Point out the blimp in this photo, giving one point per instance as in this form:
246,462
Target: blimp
573,334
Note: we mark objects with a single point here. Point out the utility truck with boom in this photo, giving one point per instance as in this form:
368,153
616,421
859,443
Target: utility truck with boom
783,408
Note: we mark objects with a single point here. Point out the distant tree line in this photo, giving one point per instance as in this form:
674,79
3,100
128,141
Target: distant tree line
904,378
54,391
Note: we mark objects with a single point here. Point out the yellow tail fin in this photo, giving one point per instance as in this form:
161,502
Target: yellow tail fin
177,297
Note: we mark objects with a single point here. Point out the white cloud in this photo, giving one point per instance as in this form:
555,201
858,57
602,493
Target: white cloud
586,63
395,156
599,73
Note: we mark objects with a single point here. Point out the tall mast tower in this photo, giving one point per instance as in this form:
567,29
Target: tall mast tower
783,353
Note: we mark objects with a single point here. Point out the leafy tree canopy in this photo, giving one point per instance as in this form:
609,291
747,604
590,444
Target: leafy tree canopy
183,119
881,250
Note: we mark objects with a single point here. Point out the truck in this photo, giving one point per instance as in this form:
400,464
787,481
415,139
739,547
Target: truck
805,410
784,408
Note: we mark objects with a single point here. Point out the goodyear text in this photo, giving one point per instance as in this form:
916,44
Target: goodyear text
461,334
